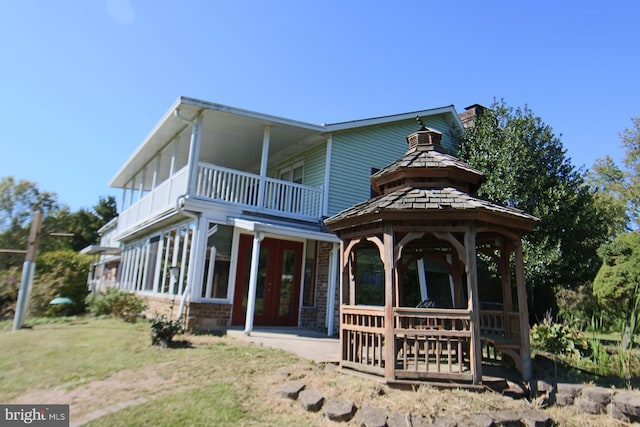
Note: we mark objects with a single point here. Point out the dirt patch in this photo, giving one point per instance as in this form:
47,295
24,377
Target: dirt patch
125,388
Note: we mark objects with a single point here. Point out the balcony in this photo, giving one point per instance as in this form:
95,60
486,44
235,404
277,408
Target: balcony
284,198
218,184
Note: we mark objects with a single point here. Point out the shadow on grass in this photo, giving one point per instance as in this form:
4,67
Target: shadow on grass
554,370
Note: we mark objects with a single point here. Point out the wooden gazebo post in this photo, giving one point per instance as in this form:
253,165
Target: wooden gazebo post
474,303
525,348
389,292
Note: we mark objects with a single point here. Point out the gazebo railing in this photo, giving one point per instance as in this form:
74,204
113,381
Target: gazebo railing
363,338
500,333
432,343
429,343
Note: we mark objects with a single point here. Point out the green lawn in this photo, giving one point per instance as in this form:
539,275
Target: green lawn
97,364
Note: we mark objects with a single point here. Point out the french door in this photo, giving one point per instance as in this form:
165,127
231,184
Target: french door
278,286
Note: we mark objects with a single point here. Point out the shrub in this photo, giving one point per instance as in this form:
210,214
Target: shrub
60,274
9,287
558,339
113,302
163,329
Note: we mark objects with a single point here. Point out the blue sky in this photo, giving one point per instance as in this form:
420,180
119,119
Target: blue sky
84,81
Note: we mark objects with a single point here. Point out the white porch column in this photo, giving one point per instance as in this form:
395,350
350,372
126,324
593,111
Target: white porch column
253,283
266,137
331,285
172,168
194,153
143,177
154,181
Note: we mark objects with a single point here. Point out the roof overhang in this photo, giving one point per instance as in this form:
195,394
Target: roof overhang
430,220
227,127
101,250
259,226
448,111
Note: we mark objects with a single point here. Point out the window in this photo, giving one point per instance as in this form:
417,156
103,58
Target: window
215,280
146,264
151,263
308,297
293,173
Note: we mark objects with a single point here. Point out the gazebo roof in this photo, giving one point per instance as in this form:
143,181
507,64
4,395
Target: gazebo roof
435,203
428,184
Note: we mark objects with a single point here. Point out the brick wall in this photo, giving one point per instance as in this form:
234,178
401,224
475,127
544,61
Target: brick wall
315,317
199,316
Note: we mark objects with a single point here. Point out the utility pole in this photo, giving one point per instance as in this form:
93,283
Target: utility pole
28,270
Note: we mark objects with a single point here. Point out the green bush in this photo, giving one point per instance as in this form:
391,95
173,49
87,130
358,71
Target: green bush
115,303
9,287
559,339
60,274
163,330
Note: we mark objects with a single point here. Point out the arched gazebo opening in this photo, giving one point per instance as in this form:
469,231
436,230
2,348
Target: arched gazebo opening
411,300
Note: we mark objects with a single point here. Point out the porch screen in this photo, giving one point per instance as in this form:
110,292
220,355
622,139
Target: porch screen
215,280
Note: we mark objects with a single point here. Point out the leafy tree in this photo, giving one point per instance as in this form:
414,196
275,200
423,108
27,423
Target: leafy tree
630,139
19,199
82,224
106,209
60,274
617,284
609,186
526,168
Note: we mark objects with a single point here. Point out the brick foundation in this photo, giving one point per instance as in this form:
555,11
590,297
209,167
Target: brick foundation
199,316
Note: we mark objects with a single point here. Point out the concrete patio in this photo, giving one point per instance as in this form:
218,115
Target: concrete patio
305,343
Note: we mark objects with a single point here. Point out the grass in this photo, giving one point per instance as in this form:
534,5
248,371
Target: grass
187,410
111,376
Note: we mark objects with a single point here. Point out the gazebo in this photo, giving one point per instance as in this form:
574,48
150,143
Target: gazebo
412,304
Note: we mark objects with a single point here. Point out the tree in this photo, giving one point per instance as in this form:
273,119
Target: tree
526,168
617,284
609,186
18,200
60,274
630,139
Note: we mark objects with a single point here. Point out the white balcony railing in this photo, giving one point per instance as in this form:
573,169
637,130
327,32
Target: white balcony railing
219,184
163,197
279,197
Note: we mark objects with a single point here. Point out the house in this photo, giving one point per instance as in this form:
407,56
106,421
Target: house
103,272
221,217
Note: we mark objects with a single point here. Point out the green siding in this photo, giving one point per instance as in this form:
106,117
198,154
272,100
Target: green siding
356,151
314,165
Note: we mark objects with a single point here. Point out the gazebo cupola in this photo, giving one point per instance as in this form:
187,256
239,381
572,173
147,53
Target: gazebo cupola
427,165
427,219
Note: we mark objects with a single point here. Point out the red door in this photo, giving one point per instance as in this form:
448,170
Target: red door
278,287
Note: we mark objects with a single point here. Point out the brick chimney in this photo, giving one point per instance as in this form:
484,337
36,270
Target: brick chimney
469,114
